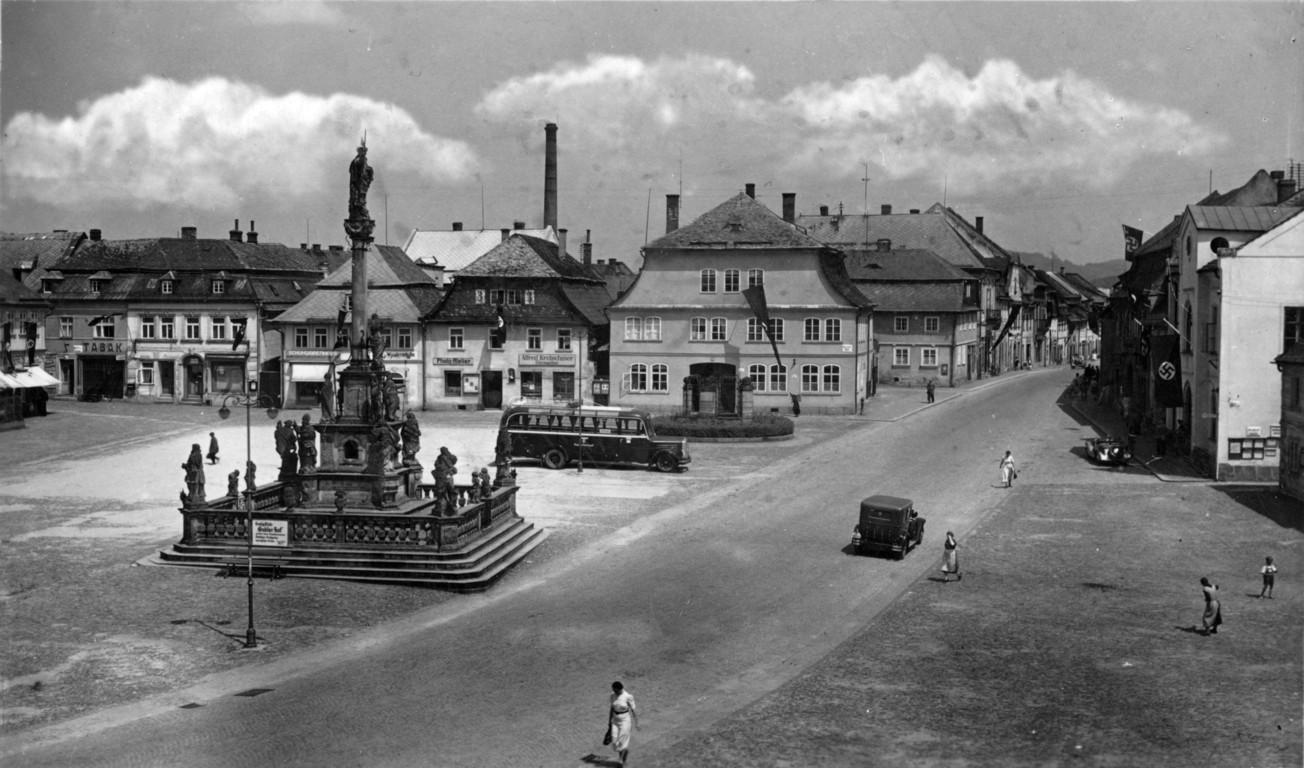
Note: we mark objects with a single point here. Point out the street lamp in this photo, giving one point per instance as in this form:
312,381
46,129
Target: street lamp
248,401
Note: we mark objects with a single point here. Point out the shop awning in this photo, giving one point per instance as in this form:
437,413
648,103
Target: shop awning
31,377
309,371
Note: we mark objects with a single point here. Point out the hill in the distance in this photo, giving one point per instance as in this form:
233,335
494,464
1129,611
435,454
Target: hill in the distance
1101,273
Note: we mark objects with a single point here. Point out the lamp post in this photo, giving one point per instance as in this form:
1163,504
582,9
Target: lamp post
578,405
248,401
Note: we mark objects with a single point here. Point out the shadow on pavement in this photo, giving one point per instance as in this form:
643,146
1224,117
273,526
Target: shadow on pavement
1267,501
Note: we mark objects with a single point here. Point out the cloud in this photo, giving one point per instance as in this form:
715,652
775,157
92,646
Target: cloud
283,12
997,127
211,144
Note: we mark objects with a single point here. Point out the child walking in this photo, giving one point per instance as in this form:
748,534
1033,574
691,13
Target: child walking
1269,572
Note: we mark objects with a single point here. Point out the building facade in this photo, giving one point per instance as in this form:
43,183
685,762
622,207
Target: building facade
686,339
519,324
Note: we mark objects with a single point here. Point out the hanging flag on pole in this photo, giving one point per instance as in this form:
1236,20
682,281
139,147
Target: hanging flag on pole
341,332
755,296
238,335
1166,368
1132,238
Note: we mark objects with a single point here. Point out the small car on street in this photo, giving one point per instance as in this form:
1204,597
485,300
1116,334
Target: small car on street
1108,451
887,524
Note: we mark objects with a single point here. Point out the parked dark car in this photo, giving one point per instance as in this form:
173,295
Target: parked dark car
887,524
1109,451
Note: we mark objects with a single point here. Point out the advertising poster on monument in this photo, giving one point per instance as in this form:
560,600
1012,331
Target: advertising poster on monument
271,533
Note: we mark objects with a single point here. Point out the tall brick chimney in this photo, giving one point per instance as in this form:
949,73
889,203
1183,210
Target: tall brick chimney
750,189
790,207
235,233
978,224
672,213
189,233
252,235
586,248
561,243
550,176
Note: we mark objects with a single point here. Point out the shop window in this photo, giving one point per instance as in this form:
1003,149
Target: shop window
532,384
563,385
452,383
147,374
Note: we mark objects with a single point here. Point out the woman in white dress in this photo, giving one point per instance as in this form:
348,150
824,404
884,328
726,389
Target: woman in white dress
623,718
1007,469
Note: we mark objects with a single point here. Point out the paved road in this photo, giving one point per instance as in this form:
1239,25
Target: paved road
700,609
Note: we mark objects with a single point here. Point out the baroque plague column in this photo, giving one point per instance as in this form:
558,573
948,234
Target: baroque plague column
360,436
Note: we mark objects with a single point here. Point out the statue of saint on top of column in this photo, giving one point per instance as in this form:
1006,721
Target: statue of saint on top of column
360,176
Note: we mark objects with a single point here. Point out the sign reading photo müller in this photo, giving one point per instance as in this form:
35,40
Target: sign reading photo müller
271,533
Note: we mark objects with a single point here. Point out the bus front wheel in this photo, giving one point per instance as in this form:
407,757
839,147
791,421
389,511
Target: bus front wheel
555,458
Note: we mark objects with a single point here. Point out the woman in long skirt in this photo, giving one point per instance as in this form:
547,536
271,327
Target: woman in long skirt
1212,606
623,719
1007,469
950,560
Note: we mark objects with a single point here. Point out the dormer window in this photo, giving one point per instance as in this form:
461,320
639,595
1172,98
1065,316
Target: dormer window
165,287
97,285
219,287
47,286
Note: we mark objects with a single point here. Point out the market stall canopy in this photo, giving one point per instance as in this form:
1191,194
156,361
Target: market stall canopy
30,377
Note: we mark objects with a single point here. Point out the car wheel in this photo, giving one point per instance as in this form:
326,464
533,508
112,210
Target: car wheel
666,463
554,458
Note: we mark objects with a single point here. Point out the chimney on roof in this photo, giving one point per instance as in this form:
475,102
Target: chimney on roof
303,246
672,213
457,226
252,236
95,234
914,210
586,251
750,189
518,225
561,243
884,244
550,175
978,224
335,248
505,233
189,233
235,233
790,207
316,247
1285,188
885,209
824,210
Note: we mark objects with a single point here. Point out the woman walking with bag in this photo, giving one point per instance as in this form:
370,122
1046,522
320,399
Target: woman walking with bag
1007,469
621,719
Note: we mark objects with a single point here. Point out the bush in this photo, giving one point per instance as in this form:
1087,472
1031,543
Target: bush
764,425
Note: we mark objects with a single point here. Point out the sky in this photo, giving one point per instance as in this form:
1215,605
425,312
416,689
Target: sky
1056,122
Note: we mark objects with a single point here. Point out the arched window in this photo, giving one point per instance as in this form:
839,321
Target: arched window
832,378
757,373
637,378
810,378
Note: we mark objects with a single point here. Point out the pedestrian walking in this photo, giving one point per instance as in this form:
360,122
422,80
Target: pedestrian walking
950,559
622,717
1008,474
931,390
212,448
1269,571
1212,606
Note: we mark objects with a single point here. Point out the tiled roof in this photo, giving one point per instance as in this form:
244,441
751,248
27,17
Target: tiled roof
1239,218
903,264
36,251
387,265
454,249
188,255
916,297
738,223
616,274
526,256
937,230
398,291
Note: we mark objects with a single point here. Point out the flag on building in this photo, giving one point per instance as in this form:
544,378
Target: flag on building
1166,369
341,333
1131,241
238,335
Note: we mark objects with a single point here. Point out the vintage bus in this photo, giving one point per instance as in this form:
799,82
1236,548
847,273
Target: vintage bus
557,435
